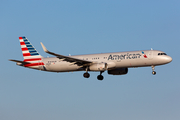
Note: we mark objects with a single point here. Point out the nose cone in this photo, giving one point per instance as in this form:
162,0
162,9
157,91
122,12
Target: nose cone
168,59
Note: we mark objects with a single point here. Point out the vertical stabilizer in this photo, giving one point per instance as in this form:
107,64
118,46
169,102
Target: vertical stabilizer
30,54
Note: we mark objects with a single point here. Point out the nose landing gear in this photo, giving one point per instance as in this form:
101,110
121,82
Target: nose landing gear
153,72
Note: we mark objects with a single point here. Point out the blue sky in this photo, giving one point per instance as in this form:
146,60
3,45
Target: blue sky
86,27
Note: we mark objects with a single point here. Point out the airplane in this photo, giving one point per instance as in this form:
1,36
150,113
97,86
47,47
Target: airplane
116,63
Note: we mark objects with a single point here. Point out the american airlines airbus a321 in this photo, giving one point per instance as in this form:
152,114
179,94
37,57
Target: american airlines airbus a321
115,63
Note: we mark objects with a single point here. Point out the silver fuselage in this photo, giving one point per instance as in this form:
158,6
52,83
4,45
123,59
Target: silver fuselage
113,60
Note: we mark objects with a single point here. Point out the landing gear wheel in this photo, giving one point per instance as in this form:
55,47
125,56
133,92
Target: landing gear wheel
86,75
153,72
100,77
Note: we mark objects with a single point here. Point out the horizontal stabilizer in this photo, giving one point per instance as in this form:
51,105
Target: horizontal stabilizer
18,61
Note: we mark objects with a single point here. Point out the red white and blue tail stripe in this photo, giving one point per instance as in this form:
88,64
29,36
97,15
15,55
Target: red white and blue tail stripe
30,54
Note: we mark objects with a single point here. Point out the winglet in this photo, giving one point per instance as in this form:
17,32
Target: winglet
44,48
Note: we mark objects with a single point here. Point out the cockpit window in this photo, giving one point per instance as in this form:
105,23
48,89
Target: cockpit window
162,54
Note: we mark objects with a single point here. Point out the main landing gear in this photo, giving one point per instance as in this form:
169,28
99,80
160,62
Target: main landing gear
99,77
86,75
153,72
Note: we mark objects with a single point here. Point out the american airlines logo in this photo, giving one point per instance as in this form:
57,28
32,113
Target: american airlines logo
124,56
145,56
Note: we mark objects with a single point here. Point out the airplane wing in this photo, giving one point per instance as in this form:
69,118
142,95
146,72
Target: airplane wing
72,60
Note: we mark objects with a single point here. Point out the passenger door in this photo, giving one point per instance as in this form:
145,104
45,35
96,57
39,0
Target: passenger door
150,55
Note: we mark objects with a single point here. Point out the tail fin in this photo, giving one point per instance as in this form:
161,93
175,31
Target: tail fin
32,58
28,51
30,54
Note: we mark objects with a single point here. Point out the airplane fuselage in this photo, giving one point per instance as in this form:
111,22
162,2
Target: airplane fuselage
113,60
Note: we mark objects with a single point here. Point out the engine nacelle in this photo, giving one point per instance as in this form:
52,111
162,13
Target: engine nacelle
98,67
118,71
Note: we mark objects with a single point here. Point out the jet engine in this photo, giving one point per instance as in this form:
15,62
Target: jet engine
118,71
98,67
